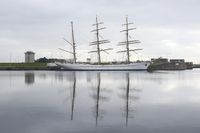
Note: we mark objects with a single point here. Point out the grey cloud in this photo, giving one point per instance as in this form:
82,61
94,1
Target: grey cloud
40,24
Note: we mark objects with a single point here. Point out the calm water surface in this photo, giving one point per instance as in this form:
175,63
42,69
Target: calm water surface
96,102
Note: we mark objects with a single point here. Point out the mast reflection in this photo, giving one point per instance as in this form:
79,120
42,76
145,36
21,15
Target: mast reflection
98,94
98,98
73,95
129,95
29,78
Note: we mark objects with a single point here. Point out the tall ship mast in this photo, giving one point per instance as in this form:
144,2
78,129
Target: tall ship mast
99,41
72,44
128,41
117,66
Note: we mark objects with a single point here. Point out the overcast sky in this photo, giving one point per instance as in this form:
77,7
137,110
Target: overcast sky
166,28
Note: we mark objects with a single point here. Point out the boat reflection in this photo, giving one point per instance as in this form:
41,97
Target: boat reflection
98,97
71,79
129,97
98,84
73,95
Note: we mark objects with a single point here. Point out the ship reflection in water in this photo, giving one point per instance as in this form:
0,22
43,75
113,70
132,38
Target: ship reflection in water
99,96
73,95
96,102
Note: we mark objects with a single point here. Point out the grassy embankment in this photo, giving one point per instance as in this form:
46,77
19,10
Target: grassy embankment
196,66
10,66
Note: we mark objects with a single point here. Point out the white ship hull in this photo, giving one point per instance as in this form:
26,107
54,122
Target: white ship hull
136,66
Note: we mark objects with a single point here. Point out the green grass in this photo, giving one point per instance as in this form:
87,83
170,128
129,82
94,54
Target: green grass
196,65
22,65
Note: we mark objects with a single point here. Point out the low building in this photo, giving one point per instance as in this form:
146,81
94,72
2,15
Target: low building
177,60
159,60
172,64
190,65
29,57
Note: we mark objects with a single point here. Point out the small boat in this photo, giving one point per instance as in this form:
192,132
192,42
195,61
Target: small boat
99,66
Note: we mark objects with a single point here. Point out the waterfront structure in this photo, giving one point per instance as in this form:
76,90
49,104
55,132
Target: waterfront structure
159,60
177,60
29,57
170,64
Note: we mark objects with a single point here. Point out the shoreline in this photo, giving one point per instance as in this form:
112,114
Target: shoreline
46,67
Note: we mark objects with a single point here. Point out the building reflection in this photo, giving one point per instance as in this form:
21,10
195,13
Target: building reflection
29,78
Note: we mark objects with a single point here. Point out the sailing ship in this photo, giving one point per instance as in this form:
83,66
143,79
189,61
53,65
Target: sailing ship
99,66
